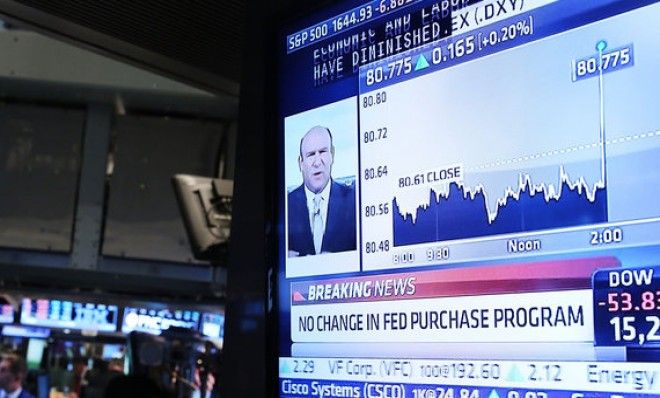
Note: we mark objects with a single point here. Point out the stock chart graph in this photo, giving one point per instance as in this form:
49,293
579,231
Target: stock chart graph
548,145
528,207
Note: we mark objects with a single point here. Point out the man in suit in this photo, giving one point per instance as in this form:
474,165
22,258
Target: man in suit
12,374
321,211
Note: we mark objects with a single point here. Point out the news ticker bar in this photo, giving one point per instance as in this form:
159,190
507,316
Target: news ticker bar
307,388
352,18
520,25
447,52
594,377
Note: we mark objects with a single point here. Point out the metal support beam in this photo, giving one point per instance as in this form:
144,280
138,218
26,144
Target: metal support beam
91,189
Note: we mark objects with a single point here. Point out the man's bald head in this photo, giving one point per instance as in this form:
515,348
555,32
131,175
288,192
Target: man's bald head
316,158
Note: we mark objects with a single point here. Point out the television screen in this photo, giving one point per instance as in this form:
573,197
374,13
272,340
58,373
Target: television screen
35,353
69,315
154,321
113,351
458,215
205,205
213,325
6,313
22,331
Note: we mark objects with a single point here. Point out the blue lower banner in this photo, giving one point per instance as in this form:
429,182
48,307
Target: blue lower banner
627,308
353,389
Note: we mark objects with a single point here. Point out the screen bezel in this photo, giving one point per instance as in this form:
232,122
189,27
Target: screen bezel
289,17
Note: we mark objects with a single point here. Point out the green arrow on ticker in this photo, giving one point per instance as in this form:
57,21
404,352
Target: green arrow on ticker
494,394
422,63
514,374
284,367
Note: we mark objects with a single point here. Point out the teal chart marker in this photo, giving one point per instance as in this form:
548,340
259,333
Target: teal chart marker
422,63
514,374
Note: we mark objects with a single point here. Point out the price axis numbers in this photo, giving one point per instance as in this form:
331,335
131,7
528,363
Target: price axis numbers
376,174
374,135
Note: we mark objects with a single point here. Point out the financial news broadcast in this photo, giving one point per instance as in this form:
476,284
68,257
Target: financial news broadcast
466,204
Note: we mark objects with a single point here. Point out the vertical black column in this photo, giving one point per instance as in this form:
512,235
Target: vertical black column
245,359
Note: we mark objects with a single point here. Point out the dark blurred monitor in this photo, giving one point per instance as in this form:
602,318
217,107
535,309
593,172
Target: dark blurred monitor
144,351
205,205
170,359
37,382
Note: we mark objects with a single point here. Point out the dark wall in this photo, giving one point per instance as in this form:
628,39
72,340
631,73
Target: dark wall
198,41
250,346
250,362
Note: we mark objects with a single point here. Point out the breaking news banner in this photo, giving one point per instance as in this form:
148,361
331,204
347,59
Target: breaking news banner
533,302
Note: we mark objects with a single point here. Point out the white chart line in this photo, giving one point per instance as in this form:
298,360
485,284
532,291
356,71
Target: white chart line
561,151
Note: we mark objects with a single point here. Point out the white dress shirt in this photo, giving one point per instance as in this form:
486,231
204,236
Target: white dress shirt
15,394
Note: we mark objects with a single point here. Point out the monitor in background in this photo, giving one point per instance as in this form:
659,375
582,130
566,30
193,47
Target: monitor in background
467,199
6,313
22,331
155,321
69,315
113,351
35,352
213,325
205,205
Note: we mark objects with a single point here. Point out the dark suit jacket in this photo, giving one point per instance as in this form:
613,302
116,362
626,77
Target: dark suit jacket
339,233
25,394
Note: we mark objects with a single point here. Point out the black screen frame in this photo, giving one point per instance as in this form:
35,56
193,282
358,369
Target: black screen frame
287,14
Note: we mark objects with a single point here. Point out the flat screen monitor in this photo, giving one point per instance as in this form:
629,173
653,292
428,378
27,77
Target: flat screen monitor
35,352
154,321
113,351
22,331
69,315
205,205
213,325
6,313
466,199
